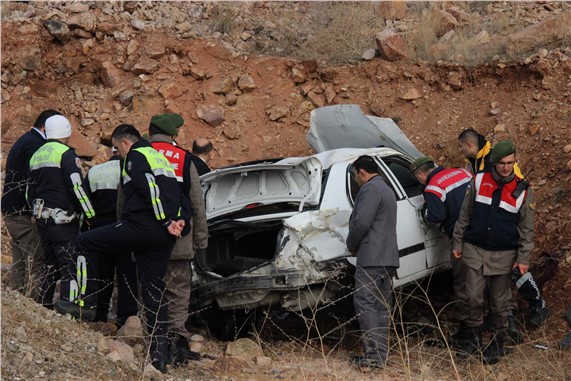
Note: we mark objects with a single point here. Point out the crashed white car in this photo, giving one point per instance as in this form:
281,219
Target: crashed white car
278,228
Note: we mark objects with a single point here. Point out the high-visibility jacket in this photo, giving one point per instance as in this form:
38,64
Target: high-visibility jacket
444,193
55,177
495,218
149,185
482,161
101,183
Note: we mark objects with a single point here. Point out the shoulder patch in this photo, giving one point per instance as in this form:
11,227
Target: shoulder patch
78,162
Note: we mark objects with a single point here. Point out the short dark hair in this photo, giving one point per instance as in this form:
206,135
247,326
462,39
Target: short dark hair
469,134
425,167
367,163
200,149
126,131
44,115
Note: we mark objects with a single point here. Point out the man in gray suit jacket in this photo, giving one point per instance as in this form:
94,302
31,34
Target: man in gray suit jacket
373,238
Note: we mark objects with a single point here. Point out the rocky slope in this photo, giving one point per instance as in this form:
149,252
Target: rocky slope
105,63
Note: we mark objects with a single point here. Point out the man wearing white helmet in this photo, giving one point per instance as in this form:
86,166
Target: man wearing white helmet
58,198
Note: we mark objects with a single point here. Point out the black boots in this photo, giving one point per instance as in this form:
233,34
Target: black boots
79,313
538,316
179,351
494,350
457,339
161,366
513,330
471,345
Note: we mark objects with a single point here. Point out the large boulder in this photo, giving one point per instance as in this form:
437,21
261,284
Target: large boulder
540,34
391,45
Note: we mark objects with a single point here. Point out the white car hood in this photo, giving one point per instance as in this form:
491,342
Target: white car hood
296,180
345,126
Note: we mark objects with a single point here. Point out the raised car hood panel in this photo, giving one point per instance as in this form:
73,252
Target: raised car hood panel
345,126
295,180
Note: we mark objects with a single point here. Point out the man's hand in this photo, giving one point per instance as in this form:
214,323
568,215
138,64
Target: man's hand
175,228
522,268
457,254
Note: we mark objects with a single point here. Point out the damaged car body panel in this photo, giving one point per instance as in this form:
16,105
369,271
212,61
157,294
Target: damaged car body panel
278,229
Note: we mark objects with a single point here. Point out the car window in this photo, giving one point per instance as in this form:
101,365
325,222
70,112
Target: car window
401,170
353,187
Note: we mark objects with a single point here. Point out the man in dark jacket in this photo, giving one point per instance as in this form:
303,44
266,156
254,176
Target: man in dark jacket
493,235
58,198
373,239
162,130
444,192
27,251
149,226
201,155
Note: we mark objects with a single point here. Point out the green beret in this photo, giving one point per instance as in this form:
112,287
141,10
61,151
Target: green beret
501,150
419,162
169,123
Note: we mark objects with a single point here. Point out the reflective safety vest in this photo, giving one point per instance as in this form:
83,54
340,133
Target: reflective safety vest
160,166
446,181
52,189
102,183
494,223
174,155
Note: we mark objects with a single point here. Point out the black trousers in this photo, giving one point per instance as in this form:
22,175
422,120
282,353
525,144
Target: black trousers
152,245
60,256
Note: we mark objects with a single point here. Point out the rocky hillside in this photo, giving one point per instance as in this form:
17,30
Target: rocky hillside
246,75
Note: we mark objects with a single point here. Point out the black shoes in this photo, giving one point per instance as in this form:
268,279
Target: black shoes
538,316
459,337
471,345
77,312
494,350
161,366
367,364
179,352
513,330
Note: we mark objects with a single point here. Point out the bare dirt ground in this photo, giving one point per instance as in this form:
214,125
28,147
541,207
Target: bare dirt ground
525,100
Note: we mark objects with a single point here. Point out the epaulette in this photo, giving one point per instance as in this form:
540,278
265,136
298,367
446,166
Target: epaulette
522,185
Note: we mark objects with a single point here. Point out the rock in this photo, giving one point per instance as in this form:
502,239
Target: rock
567,149
32,58
171,90
443,22
152,373
246,83
460,15
481,38
569,167
109,74
103,345
368,54
244,347
125,352
86,21
306,88
132,47
155,52
5,96
317,99
245,35
132,331
82,145
183,27
263,361
231,99
145,66
196,347
197,73
392,10
500,128
277,112
197,339
138,24
533,129
211,114
78,8
297,76
454,80
225,85
411,94
20,334
391,45
232,132
230,363
377,108
114,356
543,33
329,94
495,111
58,29
126,97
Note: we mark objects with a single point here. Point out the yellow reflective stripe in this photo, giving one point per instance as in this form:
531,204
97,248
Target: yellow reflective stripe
155,197
81,195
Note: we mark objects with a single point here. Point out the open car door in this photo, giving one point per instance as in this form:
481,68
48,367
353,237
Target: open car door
345,126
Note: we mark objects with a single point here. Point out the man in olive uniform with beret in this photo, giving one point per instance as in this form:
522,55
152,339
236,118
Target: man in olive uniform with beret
493,235
162,130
